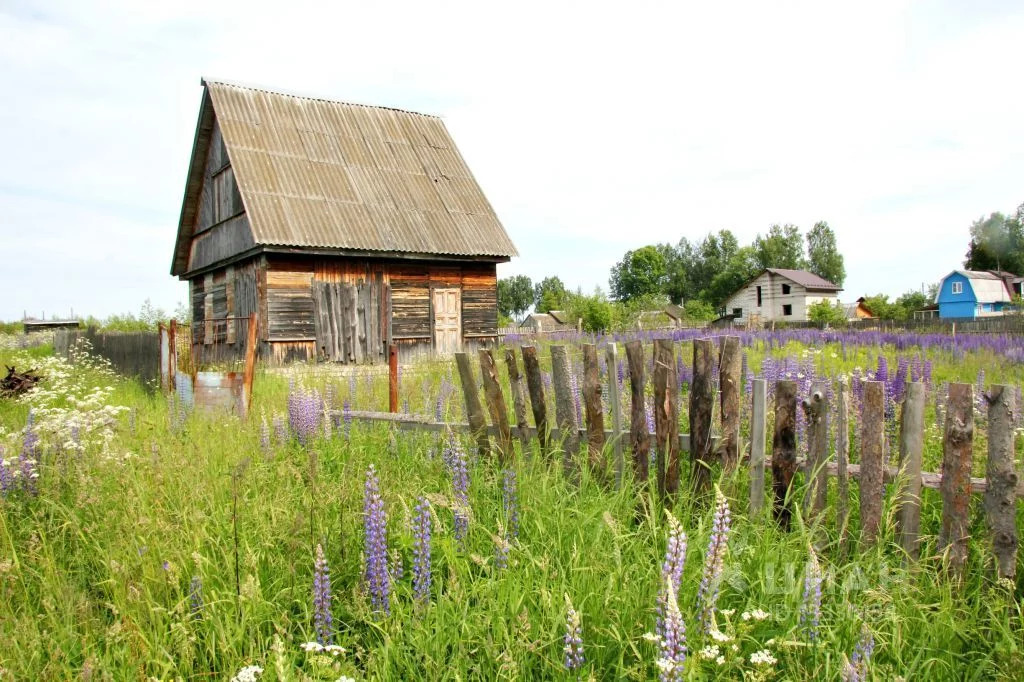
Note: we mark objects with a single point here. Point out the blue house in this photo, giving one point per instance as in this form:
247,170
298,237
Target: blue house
968,294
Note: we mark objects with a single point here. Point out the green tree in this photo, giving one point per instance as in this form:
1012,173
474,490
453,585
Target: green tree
595,311
515,295
675,273
699,310
782,247
826,313
823,257
550,294
997,243
736,271
639,272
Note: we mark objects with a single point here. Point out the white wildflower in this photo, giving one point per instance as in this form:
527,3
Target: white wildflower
248,674
345,678
709,652
756,614
651,637
334,649
762,657
719,636
727,612
312,647
720,660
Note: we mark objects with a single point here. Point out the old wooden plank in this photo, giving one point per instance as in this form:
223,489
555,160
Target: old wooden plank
565,411
908,501
701,397
730,363
1000,502
639,438
666,419
594,413
615,407
538,403
842,460
515,380
471,395
815,408
784,450
872,441
496,405
758,427
955,488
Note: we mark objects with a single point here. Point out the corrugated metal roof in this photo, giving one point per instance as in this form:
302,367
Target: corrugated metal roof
324,174
988,287
805,279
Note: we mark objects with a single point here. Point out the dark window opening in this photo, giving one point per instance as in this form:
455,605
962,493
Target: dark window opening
737,312
759,297
787,309
785,289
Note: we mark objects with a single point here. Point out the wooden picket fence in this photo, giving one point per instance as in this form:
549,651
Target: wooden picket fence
561,433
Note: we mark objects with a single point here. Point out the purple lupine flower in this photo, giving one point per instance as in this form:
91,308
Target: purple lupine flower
375,544
671,577
810,609
455,457
195,597
620,372
322,619
926,372
280,429
714,562
501,549
6,475
265,435
510,503
671,638
304,410
882,370
573,641
421,529
856,670
346,416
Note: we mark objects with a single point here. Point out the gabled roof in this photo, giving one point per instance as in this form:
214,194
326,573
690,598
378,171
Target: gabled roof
988,287
806,279
320,174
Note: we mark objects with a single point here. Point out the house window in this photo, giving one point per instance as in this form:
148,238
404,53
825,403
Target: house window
787,309
785,289
958,287
737,312
759,297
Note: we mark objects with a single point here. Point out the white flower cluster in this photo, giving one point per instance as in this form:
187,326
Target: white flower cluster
318,648
756,614
249,673
763,657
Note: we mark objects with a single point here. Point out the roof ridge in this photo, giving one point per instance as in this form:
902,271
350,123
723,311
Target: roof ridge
205,82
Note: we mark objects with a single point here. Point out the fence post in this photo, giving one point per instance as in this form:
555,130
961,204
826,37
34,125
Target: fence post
565,411
393,377
815,409
1001,493
872,461
730,364
251,339
515,380
614,403
842,458
172,353
784,449
474,412
908,504
701,402
666,418
955,486
537,400
639,436
496,403
758,425
595,416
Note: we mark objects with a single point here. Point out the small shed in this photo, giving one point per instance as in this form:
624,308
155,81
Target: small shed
33,325
541,322
343,227
858,310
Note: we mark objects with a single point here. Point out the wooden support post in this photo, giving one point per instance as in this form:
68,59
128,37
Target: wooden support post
393,377
537,399
872,462
496,403
666,418
565,410
784,450
595,414
1000,496
474,412
955,488
639,436
172,352
250,364
729,367
908,502
842,459
515,380
615,405
758,427
815,408
702,394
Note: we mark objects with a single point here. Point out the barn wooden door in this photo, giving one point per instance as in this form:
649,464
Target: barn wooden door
447,321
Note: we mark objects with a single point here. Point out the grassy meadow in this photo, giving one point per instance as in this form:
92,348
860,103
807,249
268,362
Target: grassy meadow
142,541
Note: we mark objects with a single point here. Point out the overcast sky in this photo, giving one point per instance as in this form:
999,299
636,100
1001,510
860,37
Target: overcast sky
592,128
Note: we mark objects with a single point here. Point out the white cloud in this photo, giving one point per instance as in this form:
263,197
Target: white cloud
593,128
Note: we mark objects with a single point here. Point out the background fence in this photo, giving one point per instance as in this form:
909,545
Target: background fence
131,354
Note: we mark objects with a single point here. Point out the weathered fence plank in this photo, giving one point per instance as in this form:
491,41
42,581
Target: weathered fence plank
729,367
471,395
955,488
1000,499
639,438
565,411
872,442
615,406
515,381
594,413
666,419
908,502
758,426
815,408
784,450
842,459
701,397
496,405
538,402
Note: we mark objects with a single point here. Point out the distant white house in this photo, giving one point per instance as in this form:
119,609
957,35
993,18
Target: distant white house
778,295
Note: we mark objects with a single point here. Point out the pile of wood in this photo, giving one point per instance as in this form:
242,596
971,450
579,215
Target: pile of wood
17,382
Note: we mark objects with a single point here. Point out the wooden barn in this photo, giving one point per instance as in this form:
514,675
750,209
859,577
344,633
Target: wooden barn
345,227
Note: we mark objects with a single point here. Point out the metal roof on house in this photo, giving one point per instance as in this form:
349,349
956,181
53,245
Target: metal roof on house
806,279
322,174
988,286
